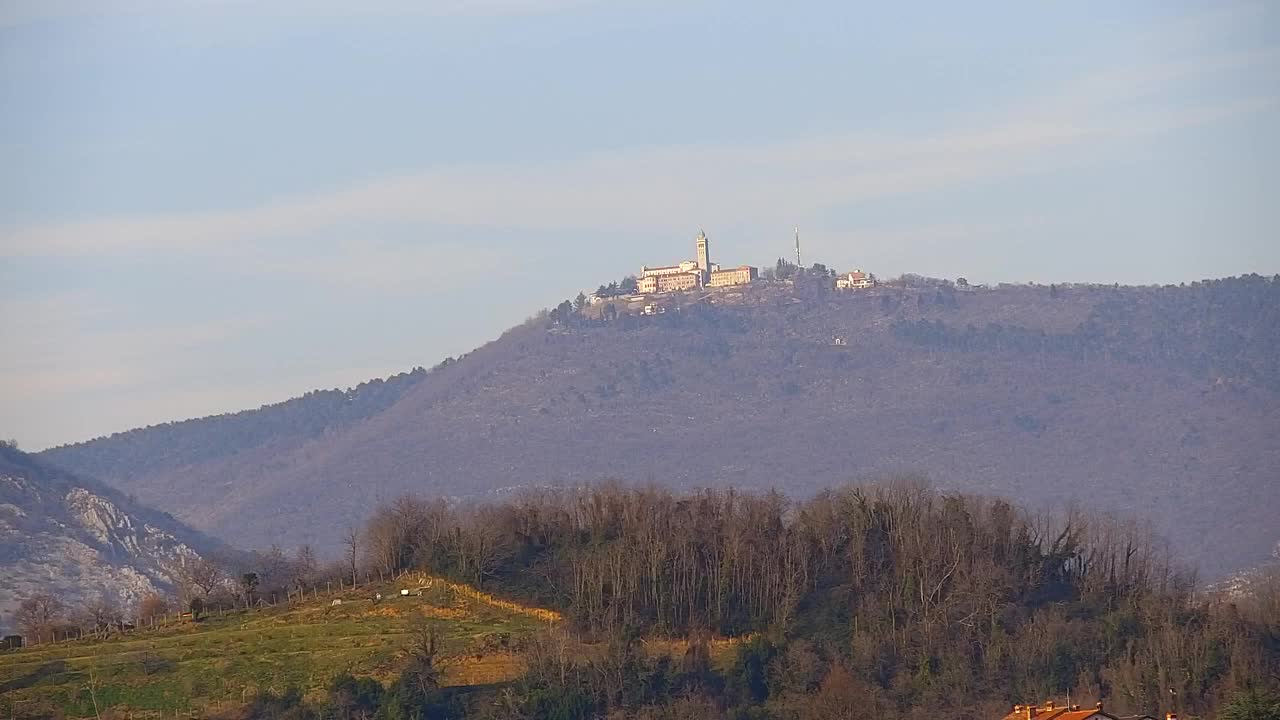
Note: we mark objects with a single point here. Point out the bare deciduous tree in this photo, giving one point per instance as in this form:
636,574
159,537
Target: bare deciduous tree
272,568
103,613
39,616
352,542
423,670
407,533
152,606
303,568
200,575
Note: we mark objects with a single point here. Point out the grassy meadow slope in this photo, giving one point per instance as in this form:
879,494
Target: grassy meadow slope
1162,403
223,659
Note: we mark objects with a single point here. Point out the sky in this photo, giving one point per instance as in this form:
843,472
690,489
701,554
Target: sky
208,206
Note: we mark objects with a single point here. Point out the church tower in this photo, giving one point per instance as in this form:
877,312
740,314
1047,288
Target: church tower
704,254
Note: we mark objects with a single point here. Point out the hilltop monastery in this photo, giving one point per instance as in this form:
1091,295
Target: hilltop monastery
702,273
691,274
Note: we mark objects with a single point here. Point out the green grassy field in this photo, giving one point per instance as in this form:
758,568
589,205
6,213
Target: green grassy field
222,661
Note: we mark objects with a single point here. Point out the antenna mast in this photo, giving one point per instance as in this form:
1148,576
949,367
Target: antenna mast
798,263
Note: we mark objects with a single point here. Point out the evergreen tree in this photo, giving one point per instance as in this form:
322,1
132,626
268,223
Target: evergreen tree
1252,704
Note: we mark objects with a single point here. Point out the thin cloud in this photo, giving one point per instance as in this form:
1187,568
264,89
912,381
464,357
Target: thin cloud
659,189
389,269
56,334
18,13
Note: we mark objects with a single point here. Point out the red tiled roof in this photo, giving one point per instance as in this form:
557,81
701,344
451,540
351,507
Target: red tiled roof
1050,711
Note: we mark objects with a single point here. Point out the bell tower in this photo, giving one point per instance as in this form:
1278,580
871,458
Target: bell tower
704,254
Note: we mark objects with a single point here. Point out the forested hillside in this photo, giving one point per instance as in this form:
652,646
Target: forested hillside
1153,403
879,602
176,444
891,601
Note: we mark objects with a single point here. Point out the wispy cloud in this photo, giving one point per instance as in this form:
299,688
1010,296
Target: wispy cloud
70,331
384,268
60,349
75,366
66,347
16,13
663,188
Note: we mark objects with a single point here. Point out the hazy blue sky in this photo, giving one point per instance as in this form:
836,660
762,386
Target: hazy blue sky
205,206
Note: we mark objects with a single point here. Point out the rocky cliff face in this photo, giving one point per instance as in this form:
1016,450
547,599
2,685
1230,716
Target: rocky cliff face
78,539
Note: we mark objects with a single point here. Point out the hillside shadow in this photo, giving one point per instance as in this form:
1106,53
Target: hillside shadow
43,672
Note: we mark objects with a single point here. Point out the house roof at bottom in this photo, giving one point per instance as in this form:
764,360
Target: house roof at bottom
1060,713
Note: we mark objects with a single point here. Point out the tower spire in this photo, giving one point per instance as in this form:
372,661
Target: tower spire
704,255
798,263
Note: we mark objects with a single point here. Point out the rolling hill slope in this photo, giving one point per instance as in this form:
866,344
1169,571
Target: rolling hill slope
208,668
198,667
1158,403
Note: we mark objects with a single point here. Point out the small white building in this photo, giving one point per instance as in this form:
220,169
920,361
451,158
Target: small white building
855,280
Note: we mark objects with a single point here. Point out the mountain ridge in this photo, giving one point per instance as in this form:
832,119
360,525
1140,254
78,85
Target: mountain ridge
1151,402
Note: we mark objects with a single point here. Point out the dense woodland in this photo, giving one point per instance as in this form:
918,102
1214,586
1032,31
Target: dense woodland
204,439
887,601
1226,329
